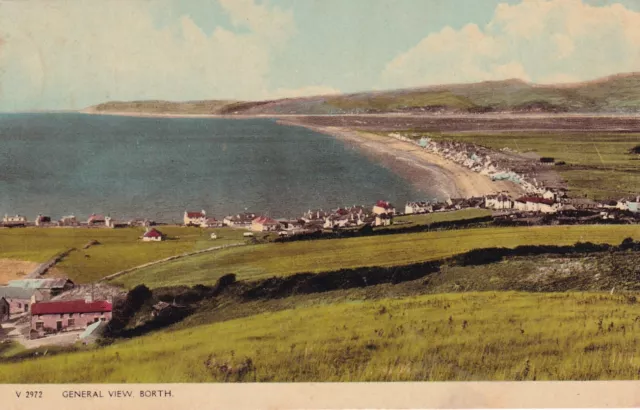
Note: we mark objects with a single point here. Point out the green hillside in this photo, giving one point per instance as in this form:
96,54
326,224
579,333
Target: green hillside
472,336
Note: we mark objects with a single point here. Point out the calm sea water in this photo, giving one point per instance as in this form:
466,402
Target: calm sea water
60,164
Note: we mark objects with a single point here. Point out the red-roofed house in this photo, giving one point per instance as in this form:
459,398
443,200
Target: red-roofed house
263,223
152,235
96,219
48,317
192,218
383,207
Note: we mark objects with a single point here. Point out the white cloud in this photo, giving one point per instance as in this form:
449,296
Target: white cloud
69,54
304,92
535,40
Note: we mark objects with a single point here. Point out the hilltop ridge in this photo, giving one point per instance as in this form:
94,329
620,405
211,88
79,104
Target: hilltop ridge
619,93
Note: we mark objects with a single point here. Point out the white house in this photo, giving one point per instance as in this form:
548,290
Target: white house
383,219
69,220
243,220
42,220
193,218
152,235
536,204
383,207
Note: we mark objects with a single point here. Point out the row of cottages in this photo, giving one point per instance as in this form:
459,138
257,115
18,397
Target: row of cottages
498,201
48,288
536,204
420,207
20,299
14,220
53,317
243,220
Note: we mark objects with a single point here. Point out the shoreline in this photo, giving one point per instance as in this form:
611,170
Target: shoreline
423,169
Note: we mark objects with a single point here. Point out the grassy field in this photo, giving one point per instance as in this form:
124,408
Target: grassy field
275,259
426,219
118,249
600,164
473,336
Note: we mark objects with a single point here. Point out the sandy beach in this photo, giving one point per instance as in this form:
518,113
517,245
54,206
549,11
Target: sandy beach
424,169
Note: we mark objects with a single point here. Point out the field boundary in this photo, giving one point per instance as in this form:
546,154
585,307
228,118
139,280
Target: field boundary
170,258
43,268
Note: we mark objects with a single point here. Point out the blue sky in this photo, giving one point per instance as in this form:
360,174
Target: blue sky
69,54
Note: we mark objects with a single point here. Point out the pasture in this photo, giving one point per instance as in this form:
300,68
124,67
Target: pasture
277,259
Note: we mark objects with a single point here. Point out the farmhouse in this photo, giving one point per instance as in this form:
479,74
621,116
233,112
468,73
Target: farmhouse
383,207
629,204
49,317
20,299
192,218
5,310
14,219
263,224
47,287
211,223
153,235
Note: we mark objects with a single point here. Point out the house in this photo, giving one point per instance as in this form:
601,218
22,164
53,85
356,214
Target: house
5,310
417,208
96,219
20,299
498,201
555,194
383,207
192,218
49,317
153,235
243,220
47,287
384,219
140,222
211,223
42,220
547,160
629,204
69,220
264,224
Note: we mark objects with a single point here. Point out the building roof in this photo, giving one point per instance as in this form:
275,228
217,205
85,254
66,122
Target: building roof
265,220
535,199
384,204
195,214
71,306
16,293
39,283
96,217
152,233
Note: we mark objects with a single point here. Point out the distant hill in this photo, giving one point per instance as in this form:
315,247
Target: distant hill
615,94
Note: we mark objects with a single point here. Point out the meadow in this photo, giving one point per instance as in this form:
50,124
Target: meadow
276,259
599,165
118,249
435,217
469,336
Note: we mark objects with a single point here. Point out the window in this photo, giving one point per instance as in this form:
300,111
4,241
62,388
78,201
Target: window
19,305
61,315
39,325
72,322
70,314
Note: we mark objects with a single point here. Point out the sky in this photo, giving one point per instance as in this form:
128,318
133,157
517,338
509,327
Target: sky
70,54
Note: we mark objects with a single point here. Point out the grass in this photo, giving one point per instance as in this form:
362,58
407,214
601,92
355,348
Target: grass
275,259
435,217
473,336
118,249
390,101
600,165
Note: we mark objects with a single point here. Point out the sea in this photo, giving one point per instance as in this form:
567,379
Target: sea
59,164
